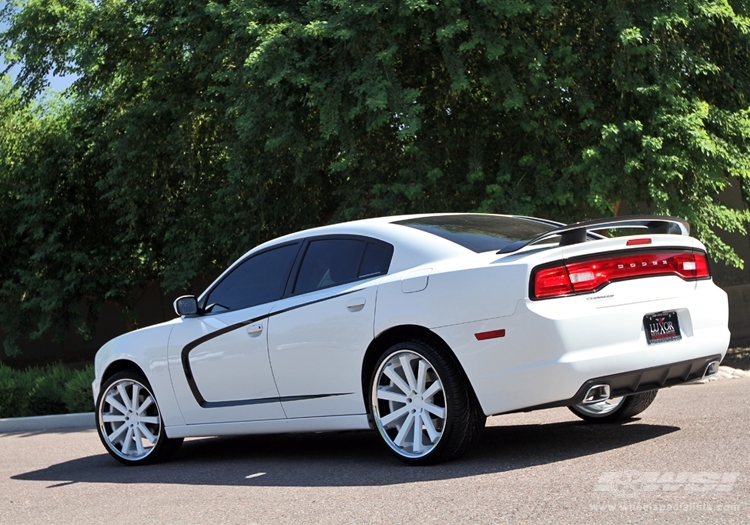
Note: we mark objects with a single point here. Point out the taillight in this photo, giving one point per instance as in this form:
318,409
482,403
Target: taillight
593,274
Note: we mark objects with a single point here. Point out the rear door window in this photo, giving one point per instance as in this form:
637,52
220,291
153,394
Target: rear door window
376,260
331,262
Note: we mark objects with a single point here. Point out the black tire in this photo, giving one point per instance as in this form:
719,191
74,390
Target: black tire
122,425
480,420
628,407
397,404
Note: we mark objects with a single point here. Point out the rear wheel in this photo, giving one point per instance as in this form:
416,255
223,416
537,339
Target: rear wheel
616,409
421,405
129,422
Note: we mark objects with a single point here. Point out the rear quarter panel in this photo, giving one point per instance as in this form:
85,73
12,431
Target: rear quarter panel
551,347
459,290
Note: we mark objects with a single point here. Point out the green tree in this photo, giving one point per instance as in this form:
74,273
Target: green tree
62,251
197,129
558,109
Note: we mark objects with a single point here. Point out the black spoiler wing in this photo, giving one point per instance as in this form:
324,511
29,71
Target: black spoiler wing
577,232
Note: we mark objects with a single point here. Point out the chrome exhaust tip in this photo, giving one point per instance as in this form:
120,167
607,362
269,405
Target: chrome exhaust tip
596,394
711,369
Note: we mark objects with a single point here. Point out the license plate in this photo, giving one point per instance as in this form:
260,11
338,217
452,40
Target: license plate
661,327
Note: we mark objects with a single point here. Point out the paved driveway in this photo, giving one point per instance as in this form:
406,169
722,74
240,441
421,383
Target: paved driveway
687,460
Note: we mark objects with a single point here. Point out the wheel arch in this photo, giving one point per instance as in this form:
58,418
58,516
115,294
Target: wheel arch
146,441
117,366
395,334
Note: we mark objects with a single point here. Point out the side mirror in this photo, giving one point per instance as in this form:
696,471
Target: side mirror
186,305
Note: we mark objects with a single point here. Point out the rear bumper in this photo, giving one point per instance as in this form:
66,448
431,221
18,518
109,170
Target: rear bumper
639,381
552,349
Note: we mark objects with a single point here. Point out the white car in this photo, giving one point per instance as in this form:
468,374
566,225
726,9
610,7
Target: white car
419,326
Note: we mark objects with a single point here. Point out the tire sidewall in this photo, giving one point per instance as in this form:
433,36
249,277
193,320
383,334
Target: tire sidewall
131,375
450,392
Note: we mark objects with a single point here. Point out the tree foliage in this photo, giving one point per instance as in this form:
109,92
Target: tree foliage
197,128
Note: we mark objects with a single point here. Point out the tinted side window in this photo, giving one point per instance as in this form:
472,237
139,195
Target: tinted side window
329,262
376,261
260,279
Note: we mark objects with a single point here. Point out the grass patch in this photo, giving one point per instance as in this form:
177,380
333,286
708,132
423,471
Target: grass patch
42,391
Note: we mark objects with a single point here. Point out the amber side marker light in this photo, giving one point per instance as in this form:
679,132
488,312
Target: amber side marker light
481,336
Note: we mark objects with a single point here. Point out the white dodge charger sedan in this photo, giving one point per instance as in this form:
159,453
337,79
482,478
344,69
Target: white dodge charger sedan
419,327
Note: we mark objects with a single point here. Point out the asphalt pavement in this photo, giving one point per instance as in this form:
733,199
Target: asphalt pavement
686,460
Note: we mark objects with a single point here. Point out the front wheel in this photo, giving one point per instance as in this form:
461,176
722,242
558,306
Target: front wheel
421,405
615,409
129,422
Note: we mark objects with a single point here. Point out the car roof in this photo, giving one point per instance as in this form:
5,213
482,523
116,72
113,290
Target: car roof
383,225
415,242
412,247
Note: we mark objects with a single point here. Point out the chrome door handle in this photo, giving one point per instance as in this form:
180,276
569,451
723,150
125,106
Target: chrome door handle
254,329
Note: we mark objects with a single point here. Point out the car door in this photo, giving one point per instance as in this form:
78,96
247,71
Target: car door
219,360
318,334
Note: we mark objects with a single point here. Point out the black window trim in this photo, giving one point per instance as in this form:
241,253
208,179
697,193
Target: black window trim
294,274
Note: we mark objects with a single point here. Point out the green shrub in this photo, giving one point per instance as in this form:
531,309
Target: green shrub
77,395
14,389
46,395
53,389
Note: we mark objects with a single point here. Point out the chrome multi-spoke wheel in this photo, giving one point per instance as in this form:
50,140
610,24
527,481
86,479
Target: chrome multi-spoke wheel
409,404
615,409
129,422
420,404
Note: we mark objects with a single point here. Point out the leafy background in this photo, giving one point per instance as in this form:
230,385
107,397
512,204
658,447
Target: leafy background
197,129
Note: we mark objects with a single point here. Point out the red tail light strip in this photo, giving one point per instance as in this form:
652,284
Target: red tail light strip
591,275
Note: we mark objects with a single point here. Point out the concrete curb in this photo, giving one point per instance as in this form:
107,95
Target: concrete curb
59,422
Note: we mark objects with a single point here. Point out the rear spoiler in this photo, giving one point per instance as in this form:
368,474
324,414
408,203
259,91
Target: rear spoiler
577,232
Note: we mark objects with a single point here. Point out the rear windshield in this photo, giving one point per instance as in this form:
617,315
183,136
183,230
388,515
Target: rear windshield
480,233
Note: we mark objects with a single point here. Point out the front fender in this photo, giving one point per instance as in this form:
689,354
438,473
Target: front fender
146,349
